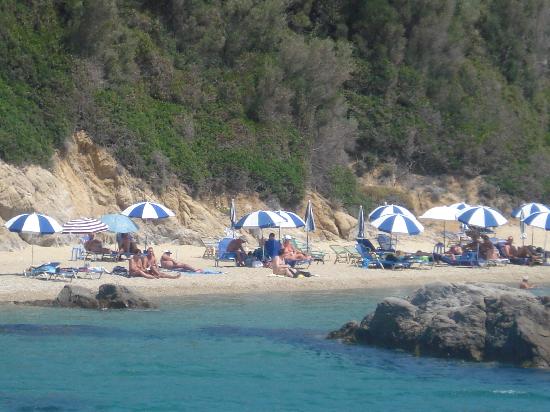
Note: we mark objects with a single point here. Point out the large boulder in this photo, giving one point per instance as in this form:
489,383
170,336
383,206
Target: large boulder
109,296
112,296
72,296
479,321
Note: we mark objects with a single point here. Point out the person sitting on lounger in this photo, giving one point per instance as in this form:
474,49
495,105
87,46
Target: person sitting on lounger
135,267
272,246
96,245
292,254
509,249
166,261
487,250
236,246
474,244
127,244
280,268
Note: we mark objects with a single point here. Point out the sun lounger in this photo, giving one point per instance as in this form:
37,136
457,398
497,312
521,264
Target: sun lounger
51,270
385,242
354,257
210,246
317,255
341,255
223,255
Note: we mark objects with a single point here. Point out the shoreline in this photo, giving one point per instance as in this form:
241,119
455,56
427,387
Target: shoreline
235,281
256,281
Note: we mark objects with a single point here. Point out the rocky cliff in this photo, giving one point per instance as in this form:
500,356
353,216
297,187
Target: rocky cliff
87,181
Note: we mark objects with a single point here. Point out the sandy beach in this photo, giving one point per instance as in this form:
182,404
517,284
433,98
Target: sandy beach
330,276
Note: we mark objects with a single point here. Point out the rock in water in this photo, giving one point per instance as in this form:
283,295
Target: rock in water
72,296
112,296
478,321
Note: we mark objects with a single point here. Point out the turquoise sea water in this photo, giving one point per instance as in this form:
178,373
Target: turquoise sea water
264,352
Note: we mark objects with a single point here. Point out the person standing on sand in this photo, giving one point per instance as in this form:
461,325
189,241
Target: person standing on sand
236,246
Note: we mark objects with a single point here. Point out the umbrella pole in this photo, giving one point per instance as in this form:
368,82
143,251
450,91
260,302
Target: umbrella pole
444,235
533,236
307,239
545,235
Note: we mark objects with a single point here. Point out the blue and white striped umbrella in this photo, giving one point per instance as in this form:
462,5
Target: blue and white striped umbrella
260,219
148,210
309,219
459,206
481,216
398,223
538,219
292,219
389,210
232,214
528,209
361,223
33,223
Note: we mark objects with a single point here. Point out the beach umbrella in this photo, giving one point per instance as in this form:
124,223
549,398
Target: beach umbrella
118,223
292,220
525,210
459,206
398,223
361,223
481,216
444,213
84,225
232,215
540,220
33,223
528,209
389,210
309,222
260,219
148,210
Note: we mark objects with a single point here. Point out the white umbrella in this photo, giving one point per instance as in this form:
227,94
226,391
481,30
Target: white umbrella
525,210
148,210
444,213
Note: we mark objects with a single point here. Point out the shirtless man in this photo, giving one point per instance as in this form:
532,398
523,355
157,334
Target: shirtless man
150,264
168,262
236,246
135,267
279,267
524,284
509,248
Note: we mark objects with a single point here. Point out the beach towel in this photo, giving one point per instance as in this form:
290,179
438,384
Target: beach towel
204,272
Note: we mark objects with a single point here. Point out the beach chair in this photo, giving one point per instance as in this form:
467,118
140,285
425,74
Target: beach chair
340,254
317,255
50,270
511,259
368,258
385,242
210,245
223,255
354,257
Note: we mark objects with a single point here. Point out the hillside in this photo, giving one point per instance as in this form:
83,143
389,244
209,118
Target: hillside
279,97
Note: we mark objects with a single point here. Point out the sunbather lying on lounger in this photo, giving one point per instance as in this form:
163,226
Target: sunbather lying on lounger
166,261
290,253
279,267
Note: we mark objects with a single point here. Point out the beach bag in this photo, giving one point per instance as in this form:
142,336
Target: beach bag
120,270
257,264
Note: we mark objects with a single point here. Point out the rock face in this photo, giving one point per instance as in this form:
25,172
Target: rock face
480,322
110,296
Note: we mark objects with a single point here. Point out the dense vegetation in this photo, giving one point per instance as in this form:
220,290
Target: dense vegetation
275,95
